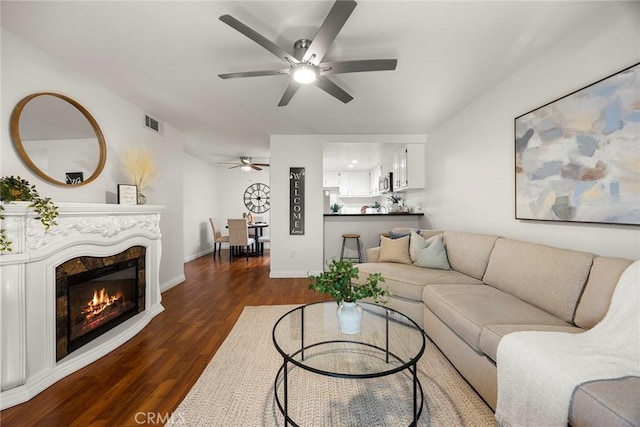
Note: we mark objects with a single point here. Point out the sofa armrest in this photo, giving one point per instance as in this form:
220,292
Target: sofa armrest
373,254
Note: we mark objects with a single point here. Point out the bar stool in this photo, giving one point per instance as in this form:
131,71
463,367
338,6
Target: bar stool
346,236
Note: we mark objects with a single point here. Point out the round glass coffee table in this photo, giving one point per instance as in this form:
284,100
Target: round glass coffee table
308,338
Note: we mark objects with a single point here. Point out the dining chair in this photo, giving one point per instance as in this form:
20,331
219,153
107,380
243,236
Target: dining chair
261,241
218,238
239,236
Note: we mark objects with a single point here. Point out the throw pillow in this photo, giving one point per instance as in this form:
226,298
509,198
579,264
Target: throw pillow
394,250
396,235
434,255
416,241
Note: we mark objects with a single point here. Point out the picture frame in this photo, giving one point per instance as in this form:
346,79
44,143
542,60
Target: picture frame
577,158
127,194
73,178
296,201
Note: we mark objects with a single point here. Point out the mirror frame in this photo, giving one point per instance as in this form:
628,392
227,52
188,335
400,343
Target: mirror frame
17,141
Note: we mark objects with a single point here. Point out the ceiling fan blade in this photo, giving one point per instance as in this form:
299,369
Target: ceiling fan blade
261,164
253,166
258,38
358,66
330,28
254,74
289,92
333,89
236,166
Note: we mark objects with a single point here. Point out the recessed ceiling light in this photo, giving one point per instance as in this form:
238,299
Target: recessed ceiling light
350,166
354,161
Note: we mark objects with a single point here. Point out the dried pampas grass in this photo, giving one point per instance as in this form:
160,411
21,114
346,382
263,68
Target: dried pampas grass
140,165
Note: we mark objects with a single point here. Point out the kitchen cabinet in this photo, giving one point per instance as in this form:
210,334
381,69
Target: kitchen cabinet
331,179
408,168
355,184
374,180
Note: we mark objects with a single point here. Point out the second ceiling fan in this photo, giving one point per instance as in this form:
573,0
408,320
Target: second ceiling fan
305,64
246,163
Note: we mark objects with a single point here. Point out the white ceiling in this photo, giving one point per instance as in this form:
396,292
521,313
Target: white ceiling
165,56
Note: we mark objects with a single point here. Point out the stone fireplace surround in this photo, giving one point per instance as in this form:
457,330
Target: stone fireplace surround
28,288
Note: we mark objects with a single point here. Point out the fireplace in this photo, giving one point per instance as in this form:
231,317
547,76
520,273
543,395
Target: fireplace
34,288
95,294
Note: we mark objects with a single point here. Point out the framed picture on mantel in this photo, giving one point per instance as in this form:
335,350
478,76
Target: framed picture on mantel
577,158
127,194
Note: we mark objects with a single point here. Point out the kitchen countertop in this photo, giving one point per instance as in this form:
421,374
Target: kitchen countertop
377,214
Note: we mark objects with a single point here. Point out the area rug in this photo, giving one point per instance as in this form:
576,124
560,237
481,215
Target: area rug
237,388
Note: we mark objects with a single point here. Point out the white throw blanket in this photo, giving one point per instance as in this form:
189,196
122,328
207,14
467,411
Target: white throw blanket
538,371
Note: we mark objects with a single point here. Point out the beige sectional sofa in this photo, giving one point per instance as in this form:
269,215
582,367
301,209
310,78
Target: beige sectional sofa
497,286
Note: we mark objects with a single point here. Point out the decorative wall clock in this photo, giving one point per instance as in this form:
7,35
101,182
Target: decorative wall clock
256,198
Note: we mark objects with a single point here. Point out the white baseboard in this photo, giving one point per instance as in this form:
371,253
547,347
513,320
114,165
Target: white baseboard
173,282
290,274
198,255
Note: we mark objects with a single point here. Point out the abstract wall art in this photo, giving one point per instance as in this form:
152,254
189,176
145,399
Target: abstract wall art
577,158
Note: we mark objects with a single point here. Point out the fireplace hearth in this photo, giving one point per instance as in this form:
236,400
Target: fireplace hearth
95,294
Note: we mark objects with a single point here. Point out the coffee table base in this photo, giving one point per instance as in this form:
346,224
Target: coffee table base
283,372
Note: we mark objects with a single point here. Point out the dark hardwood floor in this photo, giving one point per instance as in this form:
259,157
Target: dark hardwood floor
142,382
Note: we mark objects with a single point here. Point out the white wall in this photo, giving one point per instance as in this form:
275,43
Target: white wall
470,158
26,70
232,184
200,201
296,151
214,191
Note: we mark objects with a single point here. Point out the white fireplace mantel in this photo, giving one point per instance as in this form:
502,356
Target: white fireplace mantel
28,284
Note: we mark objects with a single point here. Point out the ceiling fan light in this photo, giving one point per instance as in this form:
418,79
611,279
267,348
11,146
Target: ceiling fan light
304,74
245,168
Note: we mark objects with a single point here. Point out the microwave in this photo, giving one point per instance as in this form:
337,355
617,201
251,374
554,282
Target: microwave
385,184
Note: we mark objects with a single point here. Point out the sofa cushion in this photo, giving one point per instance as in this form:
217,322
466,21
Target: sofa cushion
433,255
394,250
595,299
611,403
469,253
492,334
549,278
466,309
407,281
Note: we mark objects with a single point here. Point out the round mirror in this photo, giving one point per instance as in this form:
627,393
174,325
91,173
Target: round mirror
58,139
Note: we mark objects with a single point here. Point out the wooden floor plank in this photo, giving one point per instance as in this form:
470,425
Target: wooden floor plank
152,372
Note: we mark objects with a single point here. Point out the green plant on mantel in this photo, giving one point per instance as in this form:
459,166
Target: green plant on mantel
14,189
338,282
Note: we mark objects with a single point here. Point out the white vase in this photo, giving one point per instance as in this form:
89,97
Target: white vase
349,317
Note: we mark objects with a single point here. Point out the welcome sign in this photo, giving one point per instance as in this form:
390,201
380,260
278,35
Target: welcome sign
296,201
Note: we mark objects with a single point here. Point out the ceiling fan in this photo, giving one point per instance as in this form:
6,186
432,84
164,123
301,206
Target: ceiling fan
305,65
245,163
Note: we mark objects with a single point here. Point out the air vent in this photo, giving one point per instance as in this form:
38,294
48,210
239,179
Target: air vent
153,124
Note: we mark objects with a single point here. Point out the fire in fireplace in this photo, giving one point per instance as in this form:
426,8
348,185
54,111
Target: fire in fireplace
102,296
97,294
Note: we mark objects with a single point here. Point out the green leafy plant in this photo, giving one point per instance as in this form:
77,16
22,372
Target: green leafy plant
395,198
338,282
335,207
17,189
